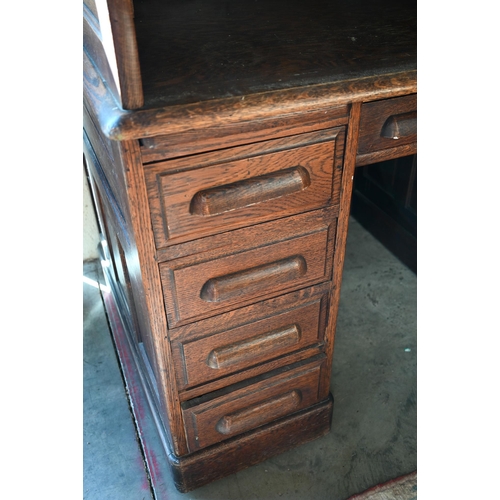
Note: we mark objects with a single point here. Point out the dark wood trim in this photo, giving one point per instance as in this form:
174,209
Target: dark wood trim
118,124
341,237
121,17
386,154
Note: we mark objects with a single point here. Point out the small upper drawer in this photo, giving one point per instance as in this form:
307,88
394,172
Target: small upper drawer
229,349
197,196
195,289
388,124
212,419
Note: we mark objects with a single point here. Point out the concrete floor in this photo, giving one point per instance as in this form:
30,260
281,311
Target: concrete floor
373,437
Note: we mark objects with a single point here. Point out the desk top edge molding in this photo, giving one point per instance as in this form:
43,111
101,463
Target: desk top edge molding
119,124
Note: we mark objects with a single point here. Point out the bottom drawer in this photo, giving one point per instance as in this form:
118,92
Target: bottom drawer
252,404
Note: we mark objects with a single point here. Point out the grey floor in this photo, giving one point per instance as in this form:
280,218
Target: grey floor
374,427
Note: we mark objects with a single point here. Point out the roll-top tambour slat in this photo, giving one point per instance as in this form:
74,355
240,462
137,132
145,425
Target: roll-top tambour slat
255,415
228,355
399,126
248,192
247,281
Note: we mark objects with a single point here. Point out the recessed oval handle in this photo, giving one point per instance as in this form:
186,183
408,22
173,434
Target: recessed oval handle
399,126
259,414
232,354
251,191
251,280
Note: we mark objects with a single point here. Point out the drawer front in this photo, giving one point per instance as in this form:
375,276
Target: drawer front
388,124
200,290
234,349
257,404
203,195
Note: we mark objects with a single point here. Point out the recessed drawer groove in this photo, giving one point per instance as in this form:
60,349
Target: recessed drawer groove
250,280
387,124
273,341
249,192
399,126
255,415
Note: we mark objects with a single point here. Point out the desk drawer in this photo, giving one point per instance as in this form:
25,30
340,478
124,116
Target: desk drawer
388,124
233,342
196,289
209,193
209,420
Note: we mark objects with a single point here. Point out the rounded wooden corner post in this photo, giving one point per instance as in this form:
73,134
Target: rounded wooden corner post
351,146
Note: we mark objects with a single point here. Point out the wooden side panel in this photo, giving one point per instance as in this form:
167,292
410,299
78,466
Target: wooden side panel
145,279
109,160
249,407
116,242
196,290
265,182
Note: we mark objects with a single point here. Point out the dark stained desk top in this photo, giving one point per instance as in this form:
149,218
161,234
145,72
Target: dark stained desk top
199,50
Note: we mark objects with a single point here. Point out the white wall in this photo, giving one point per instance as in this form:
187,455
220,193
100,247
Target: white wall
90,230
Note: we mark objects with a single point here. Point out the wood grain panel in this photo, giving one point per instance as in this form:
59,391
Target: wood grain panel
247,345
197,51
226,136
197,290
265,182
251,406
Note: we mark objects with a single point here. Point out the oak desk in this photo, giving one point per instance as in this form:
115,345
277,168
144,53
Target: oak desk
221,140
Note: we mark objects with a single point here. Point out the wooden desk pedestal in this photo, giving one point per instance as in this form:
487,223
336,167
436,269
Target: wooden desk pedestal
221,142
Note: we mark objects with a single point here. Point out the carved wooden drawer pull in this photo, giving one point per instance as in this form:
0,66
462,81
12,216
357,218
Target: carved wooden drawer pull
399,126
260,413
232,285
250,191
228,355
